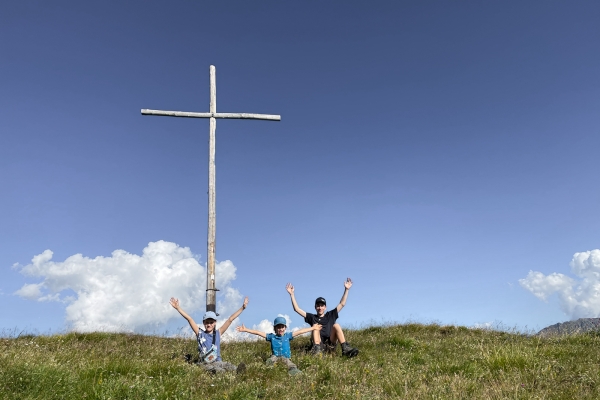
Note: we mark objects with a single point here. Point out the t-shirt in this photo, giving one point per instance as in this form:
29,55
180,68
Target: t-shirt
327,321
205,341
280,345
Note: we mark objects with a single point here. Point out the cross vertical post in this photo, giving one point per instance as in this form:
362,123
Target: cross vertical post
211,289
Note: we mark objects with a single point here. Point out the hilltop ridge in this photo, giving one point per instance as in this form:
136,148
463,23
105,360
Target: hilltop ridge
396,361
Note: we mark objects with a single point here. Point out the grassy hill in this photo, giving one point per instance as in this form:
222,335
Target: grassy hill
409,361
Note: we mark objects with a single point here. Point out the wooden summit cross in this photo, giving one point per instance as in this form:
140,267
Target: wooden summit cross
211,303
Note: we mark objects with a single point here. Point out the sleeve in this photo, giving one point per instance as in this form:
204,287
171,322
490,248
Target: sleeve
334,314
309,318
289,335
269,337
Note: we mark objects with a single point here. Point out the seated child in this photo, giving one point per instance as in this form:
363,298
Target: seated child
332,332
280,342
209,339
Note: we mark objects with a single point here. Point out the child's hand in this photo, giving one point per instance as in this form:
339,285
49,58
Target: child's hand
174,302
317,327
245,303
290,288
241,328
348,283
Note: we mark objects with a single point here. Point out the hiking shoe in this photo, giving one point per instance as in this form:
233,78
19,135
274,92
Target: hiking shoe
241,368
349,351
294,372
316,350
270,362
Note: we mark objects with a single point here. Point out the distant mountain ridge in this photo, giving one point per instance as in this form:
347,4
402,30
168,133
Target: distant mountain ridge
571,327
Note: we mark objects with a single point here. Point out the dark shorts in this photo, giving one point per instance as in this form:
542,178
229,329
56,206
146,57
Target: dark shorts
326,345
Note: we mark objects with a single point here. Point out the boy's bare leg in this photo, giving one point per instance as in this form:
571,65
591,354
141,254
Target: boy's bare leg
316,337
337,335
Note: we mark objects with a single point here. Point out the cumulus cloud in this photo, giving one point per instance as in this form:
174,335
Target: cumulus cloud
127,292
31,291
263,326
578,298
483,325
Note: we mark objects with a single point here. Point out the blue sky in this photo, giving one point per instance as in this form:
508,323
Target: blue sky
435,152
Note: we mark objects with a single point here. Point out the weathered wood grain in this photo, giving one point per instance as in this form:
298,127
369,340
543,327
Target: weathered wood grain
185,114
211,289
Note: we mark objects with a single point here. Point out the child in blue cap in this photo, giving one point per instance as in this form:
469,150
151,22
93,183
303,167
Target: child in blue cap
209,339
280,342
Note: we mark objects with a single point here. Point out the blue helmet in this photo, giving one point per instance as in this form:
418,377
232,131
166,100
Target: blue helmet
279,321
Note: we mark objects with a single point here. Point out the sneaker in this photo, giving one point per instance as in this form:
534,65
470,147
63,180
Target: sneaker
241,368
294,372
270,362
349,351
316,350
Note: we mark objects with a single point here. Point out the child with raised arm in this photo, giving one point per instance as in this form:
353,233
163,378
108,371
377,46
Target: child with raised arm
209,339
331,332
280,342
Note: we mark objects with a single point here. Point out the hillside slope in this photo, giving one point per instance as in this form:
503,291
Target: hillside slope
409,361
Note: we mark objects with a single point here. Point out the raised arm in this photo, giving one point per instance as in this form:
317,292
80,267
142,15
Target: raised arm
252,331
236,314
315,327
175,303
290,289
347,286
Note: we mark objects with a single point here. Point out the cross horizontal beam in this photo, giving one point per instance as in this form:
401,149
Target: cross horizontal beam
185,114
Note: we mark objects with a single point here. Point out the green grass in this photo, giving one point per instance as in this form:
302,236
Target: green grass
402,361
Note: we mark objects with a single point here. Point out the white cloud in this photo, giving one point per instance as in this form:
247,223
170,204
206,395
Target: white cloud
128,292
263,326
232,335
543,286
578,298
30,291
483,325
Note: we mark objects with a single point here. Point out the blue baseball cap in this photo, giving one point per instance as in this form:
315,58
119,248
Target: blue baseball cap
279,321
209,315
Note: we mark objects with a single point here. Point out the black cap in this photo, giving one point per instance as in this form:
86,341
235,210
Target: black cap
320,300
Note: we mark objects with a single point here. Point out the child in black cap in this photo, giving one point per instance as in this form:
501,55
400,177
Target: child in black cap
331,332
